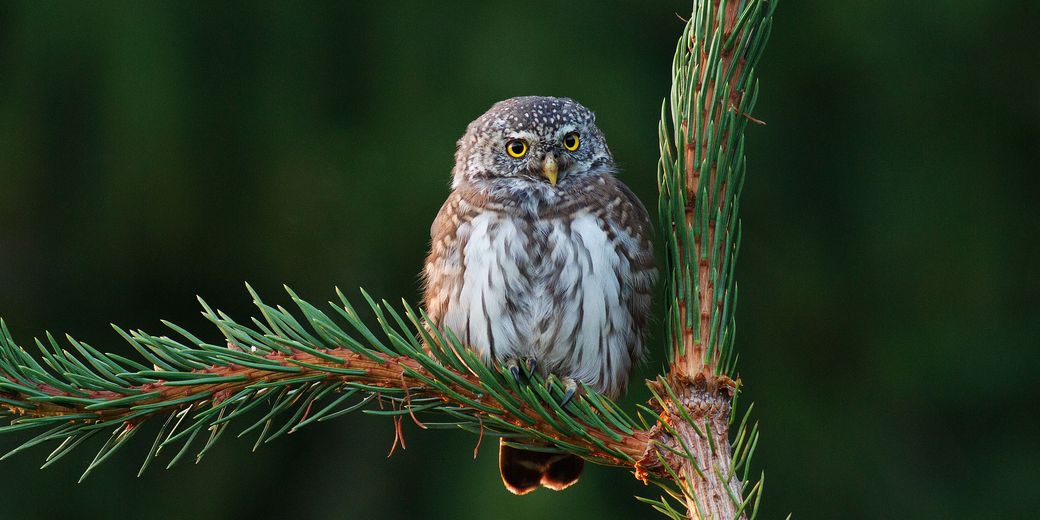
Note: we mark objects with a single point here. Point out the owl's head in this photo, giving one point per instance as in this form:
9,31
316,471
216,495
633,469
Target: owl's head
532,141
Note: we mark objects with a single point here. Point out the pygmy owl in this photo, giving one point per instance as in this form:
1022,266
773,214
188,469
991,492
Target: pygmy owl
540,256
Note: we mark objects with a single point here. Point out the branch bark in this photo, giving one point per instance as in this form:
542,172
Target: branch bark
699,426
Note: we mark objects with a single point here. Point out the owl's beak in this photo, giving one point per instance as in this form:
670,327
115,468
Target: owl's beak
549,169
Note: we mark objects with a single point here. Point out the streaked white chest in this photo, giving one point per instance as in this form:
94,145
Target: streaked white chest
551,289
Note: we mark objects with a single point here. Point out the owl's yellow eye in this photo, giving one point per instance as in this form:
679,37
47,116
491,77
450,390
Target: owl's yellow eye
571,141
516,148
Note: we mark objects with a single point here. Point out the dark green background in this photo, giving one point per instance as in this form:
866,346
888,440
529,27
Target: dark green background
888,316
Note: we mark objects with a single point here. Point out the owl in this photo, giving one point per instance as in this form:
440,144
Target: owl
541,258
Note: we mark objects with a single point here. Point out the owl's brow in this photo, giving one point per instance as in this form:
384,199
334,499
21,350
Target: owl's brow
563,130
522,134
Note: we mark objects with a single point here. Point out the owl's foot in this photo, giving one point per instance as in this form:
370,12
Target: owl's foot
570,387
514,368
513,364
531,364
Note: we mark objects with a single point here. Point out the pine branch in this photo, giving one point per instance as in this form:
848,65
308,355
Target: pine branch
298,375
291,369
701,175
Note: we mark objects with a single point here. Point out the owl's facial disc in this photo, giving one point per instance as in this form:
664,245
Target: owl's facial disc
532,143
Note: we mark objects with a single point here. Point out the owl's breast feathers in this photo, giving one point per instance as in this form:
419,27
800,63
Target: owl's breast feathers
565,279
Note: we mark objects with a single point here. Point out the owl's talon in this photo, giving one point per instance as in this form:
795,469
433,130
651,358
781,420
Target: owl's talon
570,387
531,364
514,368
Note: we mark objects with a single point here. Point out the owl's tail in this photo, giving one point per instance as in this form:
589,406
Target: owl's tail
524,470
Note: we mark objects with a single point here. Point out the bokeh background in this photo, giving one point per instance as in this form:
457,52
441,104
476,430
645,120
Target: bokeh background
890,302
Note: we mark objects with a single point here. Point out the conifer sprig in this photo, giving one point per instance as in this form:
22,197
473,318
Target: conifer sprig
701,175
297,369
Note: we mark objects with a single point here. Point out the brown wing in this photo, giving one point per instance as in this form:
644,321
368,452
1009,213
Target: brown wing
442,270
631,216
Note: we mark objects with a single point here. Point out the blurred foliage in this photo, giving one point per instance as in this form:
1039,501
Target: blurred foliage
889,301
